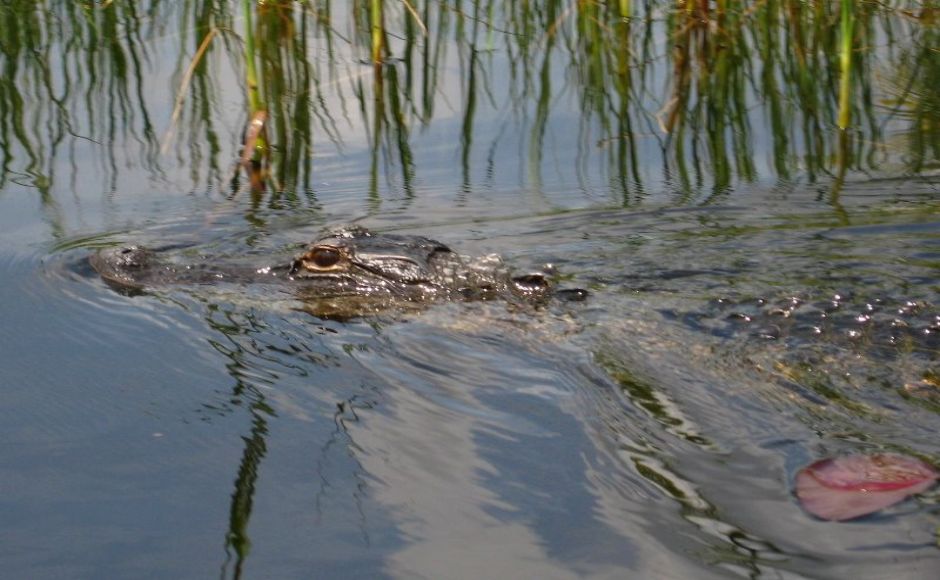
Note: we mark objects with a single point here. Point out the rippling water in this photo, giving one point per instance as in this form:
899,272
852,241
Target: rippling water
654,427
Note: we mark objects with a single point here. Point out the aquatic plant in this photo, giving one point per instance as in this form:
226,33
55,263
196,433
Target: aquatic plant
693,87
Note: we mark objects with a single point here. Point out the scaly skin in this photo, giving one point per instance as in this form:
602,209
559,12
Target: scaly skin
351,262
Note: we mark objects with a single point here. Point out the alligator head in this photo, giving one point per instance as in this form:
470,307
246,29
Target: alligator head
351,269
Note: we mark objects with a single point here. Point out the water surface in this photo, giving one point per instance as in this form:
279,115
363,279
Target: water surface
651,430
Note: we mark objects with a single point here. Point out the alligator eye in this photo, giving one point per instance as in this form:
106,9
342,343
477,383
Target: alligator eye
531,283
325,256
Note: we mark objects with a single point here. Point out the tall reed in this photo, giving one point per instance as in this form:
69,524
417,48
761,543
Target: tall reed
846,25
378,30
255,103
663,83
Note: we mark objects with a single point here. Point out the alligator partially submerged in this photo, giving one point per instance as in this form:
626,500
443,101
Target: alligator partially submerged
353,270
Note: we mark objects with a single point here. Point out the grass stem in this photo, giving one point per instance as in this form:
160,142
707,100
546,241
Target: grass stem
845,64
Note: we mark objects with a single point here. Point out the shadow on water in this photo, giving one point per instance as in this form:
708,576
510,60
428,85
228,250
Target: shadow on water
237,539
259,355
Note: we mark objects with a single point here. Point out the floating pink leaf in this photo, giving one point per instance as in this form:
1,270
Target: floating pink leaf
842,488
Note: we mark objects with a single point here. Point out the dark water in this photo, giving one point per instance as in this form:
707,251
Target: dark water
651,431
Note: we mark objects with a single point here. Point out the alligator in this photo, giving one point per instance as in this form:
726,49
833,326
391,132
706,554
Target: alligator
354,272
351,270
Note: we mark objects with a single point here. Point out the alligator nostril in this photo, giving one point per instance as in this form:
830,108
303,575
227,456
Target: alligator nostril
572,294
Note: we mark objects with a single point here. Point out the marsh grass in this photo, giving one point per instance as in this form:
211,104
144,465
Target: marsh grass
693,77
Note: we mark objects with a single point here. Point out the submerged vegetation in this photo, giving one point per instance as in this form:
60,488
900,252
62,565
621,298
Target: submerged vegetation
708,92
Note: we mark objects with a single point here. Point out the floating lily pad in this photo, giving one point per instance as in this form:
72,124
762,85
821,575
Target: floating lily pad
843,488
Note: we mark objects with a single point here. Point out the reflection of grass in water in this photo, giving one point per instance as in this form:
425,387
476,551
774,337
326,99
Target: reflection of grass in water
648,397
915,99
819,382
691,77
91,84
924,393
